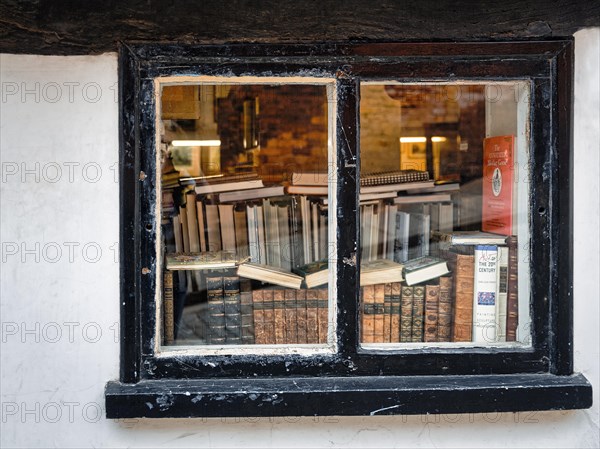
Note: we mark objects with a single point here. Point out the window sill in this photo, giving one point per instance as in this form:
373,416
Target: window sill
390,395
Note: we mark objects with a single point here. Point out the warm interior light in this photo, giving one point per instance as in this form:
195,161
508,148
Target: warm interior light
421,139
413,139
196,143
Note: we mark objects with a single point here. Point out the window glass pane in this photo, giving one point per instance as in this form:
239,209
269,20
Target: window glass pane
444,214
245,214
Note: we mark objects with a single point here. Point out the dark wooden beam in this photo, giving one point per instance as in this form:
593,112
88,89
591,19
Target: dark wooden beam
75,27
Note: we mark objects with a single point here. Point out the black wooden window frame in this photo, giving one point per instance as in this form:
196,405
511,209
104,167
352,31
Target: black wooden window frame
353,381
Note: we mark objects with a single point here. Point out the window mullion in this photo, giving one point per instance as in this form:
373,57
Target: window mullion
347,215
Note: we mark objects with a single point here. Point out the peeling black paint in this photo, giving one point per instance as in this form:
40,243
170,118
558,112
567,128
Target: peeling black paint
347,396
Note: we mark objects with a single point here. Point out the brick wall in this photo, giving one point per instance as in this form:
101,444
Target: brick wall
292,122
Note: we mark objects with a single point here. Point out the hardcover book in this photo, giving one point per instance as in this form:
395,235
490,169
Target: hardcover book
406,306
279,316
418,309
468,238
216,310
272,275
251,194
209,260
463,268
269,316
512,301
423,269
432,294
323,295
312,317
260,337
380,271
379,314
444,332
291,316
368,314
501,293
499,195
484,291
168,312
395,312
228,185
301,316
232,308
314,273
387,312
393,177
247,312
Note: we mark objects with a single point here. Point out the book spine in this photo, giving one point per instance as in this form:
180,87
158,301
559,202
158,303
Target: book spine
312,319
233,310
192,222
323,231
512,300
213,227
253,248
241,231
484,294
283,213
177,230
406,305
201,227
315,231
259,317
368,314
216,310
444,331
269,316
323,314
247,311
379,313
393,178
463,294
279,314
291,316
192,218
501,293
418,313
186,244
260,235
395,313
169,310
401,237
432,298
301,316
387,313
297,246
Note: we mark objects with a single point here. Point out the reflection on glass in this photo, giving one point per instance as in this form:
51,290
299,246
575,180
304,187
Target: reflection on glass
444,213
245,217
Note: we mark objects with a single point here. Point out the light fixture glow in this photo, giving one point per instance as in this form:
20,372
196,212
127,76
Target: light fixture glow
413,139
421,139
196,143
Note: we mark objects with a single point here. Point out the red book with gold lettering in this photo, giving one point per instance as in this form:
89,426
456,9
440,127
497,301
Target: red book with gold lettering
497,213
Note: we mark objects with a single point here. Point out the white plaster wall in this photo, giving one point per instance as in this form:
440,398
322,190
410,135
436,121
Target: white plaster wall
54,301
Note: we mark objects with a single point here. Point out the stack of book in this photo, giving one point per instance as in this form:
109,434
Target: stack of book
476,302
238,314
373,186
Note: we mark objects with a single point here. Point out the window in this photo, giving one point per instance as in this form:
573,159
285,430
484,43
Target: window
302,230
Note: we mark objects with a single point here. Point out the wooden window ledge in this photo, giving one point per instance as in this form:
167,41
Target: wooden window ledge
331,396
